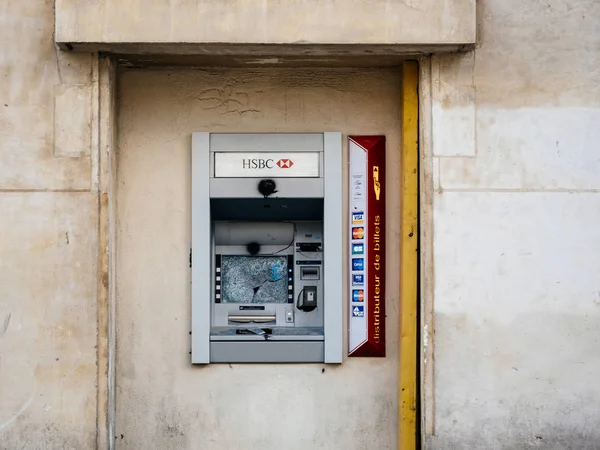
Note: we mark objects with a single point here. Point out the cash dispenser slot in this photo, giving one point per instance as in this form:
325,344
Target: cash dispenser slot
255,319
310,273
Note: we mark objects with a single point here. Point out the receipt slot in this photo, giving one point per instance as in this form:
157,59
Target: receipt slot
267,248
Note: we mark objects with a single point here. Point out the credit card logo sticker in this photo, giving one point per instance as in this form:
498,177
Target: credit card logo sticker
358,187
358,295
358,233
358,217
358,249
358,311
358,280
358,264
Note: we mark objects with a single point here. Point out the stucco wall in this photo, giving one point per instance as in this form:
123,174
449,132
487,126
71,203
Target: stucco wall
516,246
516,142
161,399
48,236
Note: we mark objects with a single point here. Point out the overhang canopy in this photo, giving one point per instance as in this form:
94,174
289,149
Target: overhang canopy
292,28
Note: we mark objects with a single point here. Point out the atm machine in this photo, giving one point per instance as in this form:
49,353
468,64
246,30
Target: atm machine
267,248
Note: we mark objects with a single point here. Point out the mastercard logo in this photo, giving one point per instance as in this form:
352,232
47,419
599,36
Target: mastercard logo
358,233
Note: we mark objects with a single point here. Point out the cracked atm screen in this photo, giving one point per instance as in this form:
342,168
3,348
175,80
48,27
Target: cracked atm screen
254,279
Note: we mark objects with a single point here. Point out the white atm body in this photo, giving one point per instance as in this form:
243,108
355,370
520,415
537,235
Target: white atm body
266,248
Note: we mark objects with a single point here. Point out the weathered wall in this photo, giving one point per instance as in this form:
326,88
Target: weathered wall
163,401
48,236
517,243
268,22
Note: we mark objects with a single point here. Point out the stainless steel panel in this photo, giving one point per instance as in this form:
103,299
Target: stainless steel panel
333,264
266,352
201,244
266,142
248,188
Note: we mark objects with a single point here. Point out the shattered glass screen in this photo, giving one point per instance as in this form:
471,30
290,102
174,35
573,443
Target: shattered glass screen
254,279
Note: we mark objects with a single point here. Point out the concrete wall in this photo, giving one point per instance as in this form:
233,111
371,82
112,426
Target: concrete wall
516,246
516,145
161,399
273,22
48,236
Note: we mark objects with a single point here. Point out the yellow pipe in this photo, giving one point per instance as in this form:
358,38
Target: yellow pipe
409,202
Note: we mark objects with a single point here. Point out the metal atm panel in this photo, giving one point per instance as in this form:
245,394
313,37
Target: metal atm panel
267,250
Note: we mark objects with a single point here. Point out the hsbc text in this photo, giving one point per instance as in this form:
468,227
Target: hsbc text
258,163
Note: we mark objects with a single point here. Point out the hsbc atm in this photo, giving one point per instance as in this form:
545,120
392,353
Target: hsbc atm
267,257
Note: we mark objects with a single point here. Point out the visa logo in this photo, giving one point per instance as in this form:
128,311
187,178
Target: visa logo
358,217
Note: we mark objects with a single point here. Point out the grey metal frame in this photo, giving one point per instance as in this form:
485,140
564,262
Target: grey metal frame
267,142
333,264
267,351
202,249
333,256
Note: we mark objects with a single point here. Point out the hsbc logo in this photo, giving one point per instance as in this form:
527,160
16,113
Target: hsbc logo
259,163
285,163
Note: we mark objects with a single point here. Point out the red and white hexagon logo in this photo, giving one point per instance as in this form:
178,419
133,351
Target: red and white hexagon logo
285,163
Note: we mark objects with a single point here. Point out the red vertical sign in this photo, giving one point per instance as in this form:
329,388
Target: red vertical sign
367,246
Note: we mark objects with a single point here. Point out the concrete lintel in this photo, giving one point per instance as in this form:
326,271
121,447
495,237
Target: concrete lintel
261,55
